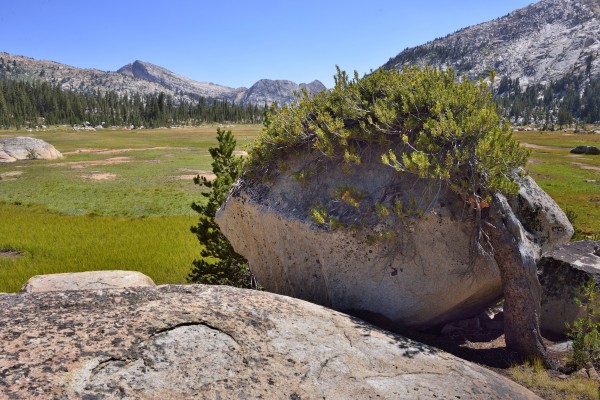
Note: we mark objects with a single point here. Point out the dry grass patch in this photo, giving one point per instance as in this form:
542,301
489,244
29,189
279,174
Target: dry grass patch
552,386
194,173
585,166
540,147
117,151
10,175
100,176
95,163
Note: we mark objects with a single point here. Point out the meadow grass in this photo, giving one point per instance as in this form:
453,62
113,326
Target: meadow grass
139,219
160,247
573,181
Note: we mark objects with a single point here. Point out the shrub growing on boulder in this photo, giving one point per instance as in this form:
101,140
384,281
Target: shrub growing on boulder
430,125
434,127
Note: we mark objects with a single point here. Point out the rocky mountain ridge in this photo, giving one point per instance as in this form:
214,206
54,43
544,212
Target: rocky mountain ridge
268,91
539,43
146,79
153,73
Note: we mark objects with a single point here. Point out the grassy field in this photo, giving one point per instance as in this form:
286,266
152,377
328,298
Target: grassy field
121,199
572,180
117,200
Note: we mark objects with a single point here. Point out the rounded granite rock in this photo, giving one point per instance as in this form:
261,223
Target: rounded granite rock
26,148
211,342
89,280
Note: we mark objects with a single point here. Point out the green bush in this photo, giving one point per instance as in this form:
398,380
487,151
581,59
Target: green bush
585,331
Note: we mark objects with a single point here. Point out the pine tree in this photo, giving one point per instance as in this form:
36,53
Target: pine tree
219,263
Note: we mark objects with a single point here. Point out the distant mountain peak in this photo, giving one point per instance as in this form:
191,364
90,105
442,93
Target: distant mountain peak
268,91
146,78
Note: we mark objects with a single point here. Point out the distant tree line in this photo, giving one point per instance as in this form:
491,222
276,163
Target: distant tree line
28,104
570,100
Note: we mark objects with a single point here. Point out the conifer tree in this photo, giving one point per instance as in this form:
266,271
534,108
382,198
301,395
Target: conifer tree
219,263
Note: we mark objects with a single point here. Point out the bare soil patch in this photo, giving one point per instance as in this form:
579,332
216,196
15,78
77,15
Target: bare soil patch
194,173
10,175
539,147
10,253
534,161
95,163
116,151
100,176
585,166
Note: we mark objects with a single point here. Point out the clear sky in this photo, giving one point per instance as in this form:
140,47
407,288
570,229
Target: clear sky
234,42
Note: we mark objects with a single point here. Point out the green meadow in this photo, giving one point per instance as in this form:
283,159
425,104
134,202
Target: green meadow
117,200
121,199
572,180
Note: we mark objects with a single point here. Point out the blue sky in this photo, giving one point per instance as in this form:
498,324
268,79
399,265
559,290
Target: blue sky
235,43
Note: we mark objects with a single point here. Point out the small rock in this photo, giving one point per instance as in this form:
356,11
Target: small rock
593,374
562,347
592,150
26,148
499,315
582,373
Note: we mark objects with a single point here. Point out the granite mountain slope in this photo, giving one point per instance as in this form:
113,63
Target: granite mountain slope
267,91
179,83
539,43
145,79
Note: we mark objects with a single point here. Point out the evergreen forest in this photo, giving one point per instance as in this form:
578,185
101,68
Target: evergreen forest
29,104
573,99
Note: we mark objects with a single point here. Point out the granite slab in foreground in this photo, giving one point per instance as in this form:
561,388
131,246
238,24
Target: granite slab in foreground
196,341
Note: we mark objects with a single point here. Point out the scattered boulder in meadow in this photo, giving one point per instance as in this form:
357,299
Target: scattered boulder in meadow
592,150
423,278
197,341
26,148
90,280
562,271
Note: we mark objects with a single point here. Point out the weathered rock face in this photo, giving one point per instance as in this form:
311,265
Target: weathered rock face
540,43
217,342
268,91
545,224
562,271
422,279
86,281
24,148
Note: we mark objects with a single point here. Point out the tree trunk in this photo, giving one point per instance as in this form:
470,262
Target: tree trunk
515,257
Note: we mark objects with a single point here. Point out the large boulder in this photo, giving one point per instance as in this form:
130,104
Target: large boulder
562,271
212,342
86,281
423,278
590,150
26,148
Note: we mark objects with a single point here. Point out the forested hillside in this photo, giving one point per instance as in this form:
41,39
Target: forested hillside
569,100
29,104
